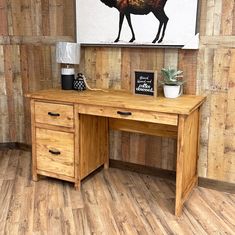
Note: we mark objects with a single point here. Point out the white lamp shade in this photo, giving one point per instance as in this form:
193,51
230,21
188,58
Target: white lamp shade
68,53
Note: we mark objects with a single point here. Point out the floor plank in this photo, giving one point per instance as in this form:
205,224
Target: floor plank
110,202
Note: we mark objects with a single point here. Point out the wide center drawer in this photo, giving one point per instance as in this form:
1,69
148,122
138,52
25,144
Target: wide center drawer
123,113
54,114
55,151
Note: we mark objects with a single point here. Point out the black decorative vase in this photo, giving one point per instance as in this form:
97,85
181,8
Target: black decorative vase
78,83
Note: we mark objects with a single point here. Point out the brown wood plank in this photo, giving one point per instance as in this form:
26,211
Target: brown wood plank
45,17
69,19
25,89
3,18
56,20
9,91
227,17
188,64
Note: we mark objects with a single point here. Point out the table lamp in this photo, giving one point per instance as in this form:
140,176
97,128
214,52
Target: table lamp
67,53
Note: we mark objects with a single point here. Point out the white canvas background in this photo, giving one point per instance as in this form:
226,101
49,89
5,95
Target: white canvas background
98,23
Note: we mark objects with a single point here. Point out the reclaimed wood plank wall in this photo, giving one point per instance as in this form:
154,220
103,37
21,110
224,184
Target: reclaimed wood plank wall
216,79
28,33
29,30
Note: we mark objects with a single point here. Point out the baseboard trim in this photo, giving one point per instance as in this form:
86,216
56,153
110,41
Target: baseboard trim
15,145
216,185
147,170
8,145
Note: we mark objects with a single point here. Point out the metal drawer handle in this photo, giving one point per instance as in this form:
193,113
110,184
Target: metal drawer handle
55,152
124,113
53,114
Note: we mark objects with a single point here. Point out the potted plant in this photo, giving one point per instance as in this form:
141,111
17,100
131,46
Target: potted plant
172,82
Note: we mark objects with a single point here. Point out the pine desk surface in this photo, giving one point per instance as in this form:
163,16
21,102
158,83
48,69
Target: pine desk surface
184,104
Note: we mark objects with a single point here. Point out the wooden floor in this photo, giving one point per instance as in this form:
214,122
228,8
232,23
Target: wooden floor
110,202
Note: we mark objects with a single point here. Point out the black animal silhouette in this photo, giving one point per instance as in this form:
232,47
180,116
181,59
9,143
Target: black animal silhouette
140,7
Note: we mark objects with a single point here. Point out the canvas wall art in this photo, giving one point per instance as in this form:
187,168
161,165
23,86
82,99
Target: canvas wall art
136,22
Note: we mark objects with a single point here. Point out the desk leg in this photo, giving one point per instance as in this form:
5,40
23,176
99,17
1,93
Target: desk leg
187,155
77,185
77,174
33,133
106,163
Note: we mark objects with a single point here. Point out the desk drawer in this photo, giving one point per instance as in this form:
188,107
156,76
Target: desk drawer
54,114
123,113
55,152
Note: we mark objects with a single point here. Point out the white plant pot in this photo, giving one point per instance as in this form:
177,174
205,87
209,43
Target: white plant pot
172,91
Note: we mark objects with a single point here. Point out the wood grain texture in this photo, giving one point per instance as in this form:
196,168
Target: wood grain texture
132,114
3,18
55,152
94,129
143,127
184,104
76,148
187,155
112,68
54,114
134,204
28,33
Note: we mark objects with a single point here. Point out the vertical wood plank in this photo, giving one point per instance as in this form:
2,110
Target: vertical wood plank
4,114
233,19
203,17
69,20
17,93
27,21
45,17
126,69
216,138
10,91
227,17
56,12
90,65
213,17
36,11
188,64
3,18
229,144
171,58
221,70
9,17
25,89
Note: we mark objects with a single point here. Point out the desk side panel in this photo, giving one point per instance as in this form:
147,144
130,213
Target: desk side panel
187,155
93,143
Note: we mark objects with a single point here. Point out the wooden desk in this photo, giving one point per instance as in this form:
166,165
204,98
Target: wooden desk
70,131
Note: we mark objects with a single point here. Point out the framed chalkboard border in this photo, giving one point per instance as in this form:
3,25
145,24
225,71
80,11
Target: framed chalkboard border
136,75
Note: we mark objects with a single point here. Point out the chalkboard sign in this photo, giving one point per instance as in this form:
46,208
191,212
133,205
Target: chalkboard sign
145,83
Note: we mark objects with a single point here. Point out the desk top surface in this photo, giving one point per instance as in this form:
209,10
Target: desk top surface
184,104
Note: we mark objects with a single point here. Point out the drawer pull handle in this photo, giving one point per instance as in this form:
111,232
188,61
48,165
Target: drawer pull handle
53,114
55,152
124,113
